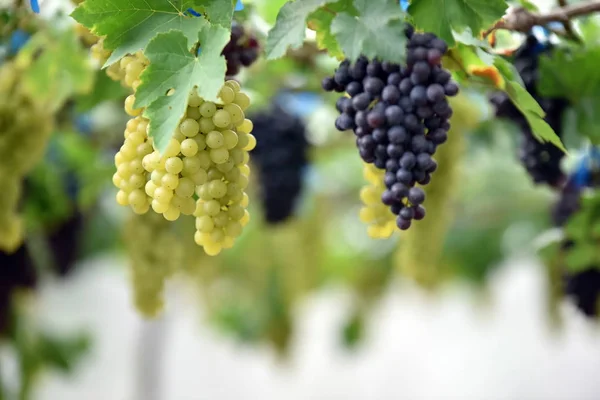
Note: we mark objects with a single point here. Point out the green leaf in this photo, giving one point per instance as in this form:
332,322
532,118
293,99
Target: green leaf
129,25
290,26
582,89
558,80
173,66
321,20
219,12
377,31
582,256
105,89
60,71
577,226
530,108
441,17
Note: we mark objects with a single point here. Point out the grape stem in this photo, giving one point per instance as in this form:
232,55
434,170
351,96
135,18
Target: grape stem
568,26
522,20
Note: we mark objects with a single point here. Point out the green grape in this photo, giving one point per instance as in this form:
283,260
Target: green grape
226,166
163,195
237,155
193,113
189,127
206,125
245,126
214,174
234,85
159,207
200,141
217,235
172,213
137,181
212,207
230,139
227,94
222,119
221,219
233,174
205,224
214,139
185,188
200,177
243,140
189,148
169,181
203,193
191,165
208,109
242,100
235,112
156,176
219,156
217,189
194,100
204,159
174,165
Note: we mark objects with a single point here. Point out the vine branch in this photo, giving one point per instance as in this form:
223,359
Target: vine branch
522,20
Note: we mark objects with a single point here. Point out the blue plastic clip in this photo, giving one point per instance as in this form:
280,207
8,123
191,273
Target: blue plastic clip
35,6
239,6
404,5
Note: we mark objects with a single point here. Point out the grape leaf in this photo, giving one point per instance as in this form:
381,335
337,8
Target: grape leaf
581,89
173,66
441,17
218,11
528,106
289,29
377,31
60,70
320,21
129,25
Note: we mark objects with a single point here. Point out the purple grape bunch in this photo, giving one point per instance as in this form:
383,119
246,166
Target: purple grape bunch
400,115
241,51
541,160
281,157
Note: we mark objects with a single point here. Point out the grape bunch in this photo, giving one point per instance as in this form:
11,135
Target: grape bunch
155,253
207,156
281,157
582,287
381,222
242,50
25,128
18,272
541,160
399,115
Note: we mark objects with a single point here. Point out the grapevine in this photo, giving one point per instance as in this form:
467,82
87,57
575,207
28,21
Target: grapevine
399,115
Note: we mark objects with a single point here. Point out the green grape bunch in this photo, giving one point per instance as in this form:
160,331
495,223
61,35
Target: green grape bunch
25,128
202,172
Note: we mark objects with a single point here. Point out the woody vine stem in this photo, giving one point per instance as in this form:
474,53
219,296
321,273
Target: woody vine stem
522,20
